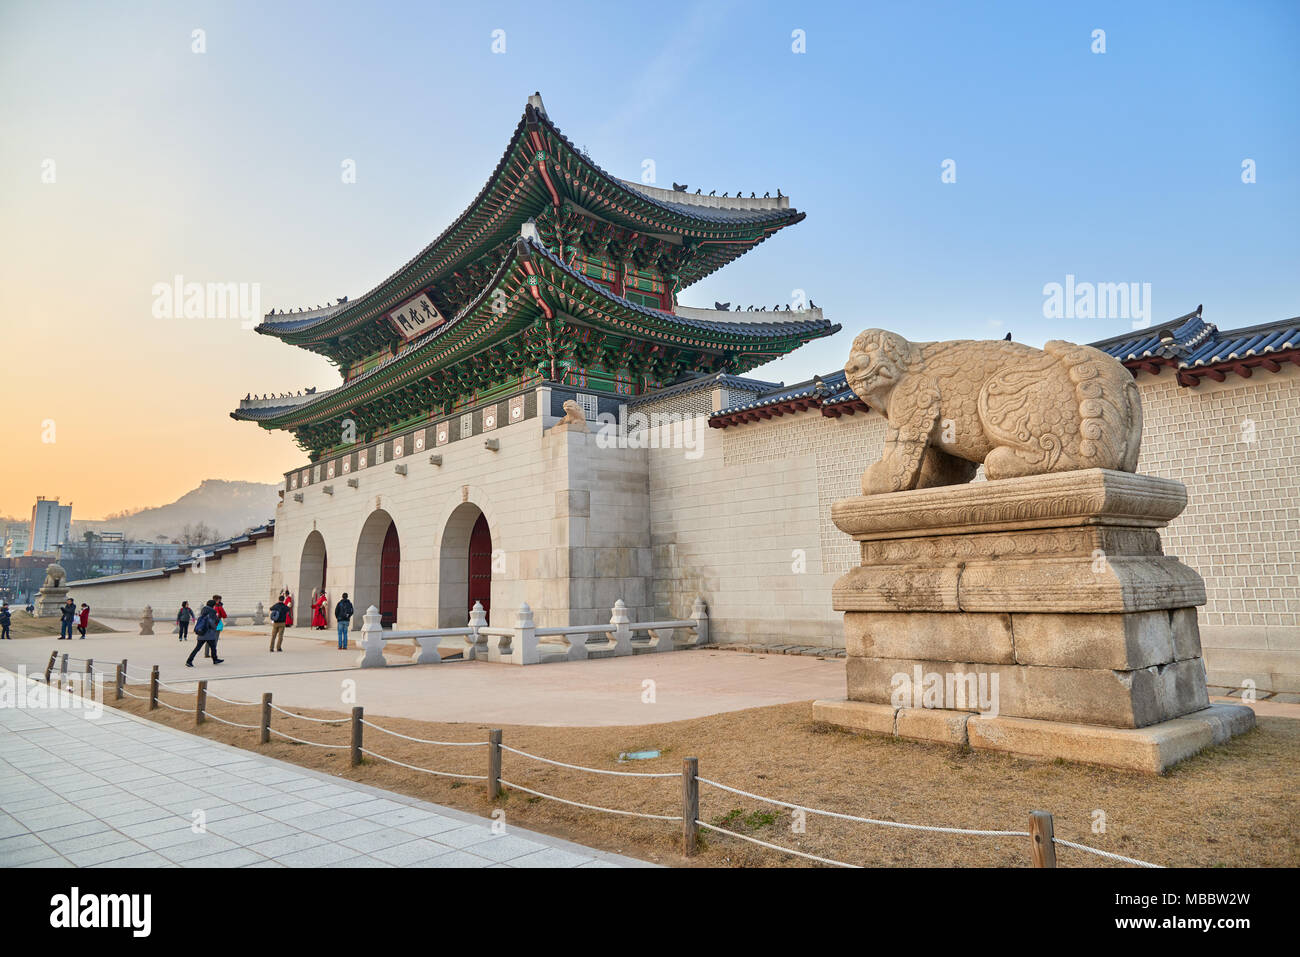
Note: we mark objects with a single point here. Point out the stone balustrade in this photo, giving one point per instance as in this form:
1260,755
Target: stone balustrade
526,644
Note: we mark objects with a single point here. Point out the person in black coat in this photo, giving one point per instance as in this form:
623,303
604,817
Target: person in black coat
343,616
68,613
205,631
5,618
183,619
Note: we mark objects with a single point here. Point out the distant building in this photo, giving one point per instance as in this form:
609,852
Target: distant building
114,554
51,525
17,536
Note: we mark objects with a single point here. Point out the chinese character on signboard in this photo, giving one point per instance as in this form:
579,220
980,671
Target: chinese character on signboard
416,316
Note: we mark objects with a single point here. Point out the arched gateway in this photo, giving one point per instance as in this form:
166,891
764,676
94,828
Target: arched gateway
464,565
378,567
311,576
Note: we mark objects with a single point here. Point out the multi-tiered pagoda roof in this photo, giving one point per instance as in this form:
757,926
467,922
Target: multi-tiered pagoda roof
556,272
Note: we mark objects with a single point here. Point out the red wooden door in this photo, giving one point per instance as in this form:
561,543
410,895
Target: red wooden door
390,563
480,566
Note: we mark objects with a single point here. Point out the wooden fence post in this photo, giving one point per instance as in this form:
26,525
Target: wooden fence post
117,684
690,805
90,670
1043,848
494,764
266,717
153,689
200,701
357,712
63,672
49,669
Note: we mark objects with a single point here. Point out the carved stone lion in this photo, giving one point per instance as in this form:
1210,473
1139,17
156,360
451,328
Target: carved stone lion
54,576
574,418
1017,409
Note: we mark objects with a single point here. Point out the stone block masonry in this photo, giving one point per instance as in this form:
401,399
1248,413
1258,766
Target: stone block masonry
999,599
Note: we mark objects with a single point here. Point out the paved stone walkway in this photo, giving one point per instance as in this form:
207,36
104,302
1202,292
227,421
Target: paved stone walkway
119,791
310,673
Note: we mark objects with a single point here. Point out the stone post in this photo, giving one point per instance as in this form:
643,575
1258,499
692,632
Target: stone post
259,616
372,640
622,634
700,613
477,646
526,651
146,621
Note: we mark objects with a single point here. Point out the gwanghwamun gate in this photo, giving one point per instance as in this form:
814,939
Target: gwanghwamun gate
445,470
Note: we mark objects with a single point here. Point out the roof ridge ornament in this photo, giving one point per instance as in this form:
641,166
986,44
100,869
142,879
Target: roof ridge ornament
535,101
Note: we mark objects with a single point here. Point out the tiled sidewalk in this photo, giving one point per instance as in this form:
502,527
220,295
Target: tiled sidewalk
119,791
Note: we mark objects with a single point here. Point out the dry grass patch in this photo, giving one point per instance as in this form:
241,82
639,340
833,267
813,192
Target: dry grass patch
23,625
1230,806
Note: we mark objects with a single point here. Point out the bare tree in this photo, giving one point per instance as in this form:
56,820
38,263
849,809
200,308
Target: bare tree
198,534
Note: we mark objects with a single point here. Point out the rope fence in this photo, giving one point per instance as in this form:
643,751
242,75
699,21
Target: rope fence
412,767
591,807
1043,842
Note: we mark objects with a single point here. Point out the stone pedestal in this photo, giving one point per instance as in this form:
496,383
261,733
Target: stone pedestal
50,601
1034,615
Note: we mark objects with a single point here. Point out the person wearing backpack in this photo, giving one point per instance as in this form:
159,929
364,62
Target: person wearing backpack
205,631
5,618
211,652
279,613
343,616
183,619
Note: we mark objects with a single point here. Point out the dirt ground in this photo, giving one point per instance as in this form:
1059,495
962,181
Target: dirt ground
23,625
1234,805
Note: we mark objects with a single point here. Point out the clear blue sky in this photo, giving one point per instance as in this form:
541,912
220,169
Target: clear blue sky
225,166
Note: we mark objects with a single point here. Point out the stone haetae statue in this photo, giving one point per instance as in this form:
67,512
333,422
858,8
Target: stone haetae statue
1016,409
51,595
1036,614
55,576
574,418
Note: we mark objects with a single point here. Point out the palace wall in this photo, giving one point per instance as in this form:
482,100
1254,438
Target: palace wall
239,577
733,524
1236,446
746,525
569,531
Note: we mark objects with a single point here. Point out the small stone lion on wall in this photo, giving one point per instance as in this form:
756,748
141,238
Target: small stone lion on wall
1016,409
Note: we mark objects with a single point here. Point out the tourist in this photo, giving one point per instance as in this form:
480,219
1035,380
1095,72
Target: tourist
288,615
4,620
66,614
205,632
183,619
83,621
279,611
211,652
318,606
343,615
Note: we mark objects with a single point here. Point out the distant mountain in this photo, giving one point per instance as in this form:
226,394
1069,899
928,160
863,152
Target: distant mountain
228,507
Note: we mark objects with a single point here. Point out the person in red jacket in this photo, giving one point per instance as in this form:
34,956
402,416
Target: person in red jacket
83,620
